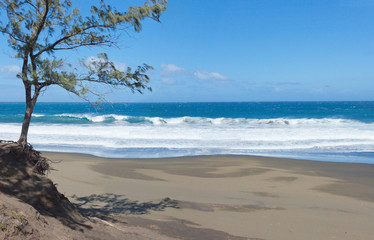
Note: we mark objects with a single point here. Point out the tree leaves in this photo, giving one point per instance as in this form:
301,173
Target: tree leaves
37,29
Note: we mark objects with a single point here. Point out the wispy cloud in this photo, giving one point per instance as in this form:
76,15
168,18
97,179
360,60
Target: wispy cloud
170,71
119,65
9,72
209,75
11,69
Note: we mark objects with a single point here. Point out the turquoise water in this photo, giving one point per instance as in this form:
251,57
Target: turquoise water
360,111
326,131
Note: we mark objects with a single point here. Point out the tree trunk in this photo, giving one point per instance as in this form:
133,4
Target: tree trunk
26,123
30,103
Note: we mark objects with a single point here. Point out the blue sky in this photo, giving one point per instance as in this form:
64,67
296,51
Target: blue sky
242,50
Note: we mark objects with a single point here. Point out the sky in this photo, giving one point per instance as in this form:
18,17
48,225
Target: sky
241,50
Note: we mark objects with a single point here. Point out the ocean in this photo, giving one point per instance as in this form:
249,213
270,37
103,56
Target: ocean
324,131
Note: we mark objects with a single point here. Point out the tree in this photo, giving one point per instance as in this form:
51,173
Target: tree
39,29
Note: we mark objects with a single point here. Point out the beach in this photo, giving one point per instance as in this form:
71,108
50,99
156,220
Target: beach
231,196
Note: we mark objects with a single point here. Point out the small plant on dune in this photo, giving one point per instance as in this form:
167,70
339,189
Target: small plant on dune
2,227
18,216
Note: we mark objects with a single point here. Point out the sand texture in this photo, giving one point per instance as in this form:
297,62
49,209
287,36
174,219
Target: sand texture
224,197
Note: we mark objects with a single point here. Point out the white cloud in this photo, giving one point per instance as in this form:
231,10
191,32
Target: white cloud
170,71
209,75
119,65
11,69
91,60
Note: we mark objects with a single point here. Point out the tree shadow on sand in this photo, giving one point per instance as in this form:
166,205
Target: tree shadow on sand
107,206
104,205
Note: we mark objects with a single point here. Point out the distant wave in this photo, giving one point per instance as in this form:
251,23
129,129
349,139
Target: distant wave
113,118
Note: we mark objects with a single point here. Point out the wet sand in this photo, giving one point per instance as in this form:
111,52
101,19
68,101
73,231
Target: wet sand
244,196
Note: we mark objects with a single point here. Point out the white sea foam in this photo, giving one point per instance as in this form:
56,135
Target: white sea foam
203,121
37,115
126,136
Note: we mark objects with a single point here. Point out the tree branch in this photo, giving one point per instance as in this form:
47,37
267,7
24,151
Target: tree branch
65,38
41,24
14,37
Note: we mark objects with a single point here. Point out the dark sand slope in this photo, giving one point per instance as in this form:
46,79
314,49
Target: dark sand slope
227,196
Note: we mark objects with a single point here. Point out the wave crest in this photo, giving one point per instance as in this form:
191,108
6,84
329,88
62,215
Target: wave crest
130,120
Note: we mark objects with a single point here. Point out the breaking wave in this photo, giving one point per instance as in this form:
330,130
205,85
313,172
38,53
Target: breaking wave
118,119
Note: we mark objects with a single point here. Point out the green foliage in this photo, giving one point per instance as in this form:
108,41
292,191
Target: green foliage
18,216
2,227
5,215
37,29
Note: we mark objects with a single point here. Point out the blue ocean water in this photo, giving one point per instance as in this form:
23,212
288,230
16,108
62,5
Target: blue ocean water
326,131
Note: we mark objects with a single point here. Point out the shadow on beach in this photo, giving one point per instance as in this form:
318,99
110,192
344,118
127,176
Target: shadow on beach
116,208
103,205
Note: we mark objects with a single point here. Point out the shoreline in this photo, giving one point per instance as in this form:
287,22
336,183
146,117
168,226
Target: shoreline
245,196
336,158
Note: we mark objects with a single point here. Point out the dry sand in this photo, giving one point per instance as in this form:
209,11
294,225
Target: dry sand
224,196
